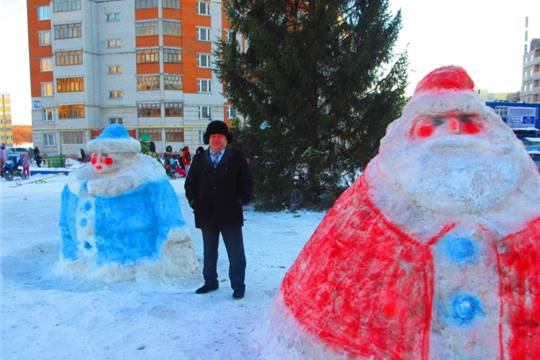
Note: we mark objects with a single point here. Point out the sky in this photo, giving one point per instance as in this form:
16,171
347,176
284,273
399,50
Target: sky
485,37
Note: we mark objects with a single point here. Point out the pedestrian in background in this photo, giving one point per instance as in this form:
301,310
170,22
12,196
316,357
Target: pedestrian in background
186,159
217,186
3,158
37,157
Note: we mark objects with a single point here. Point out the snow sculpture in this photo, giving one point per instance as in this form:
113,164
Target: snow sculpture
120,217
434,252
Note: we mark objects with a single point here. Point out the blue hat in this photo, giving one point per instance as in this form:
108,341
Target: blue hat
115,139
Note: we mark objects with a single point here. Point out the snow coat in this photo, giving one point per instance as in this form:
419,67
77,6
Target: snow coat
365,289
217,194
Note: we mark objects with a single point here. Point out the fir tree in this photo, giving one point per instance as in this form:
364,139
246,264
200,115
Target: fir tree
318,83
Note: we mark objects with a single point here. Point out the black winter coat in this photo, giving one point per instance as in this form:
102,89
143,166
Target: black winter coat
217,195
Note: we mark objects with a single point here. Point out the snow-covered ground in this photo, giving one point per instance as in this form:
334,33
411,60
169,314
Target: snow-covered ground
49,316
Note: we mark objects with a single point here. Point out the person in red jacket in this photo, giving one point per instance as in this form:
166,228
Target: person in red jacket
186,159
433,253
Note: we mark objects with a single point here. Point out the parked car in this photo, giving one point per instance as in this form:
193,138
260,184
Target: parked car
527,132
535,155
15,153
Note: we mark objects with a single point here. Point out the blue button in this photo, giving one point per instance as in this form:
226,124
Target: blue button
83,222
87,245
459,249
465,308
87,206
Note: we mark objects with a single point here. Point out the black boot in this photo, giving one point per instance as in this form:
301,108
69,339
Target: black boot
206,288
238,293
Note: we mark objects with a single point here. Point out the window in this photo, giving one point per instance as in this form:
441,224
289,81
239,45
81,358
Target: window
173,82
66,5
112,17
46,89
71,111
49,139
44,13
48,114
203,60
71,84
116,94
44,38
69,57
146,28
174,109
145,4
230,36
114,43
171,4
153,133
174,135
72,137
204,86
149,110
205,112
146,56
114,69
147,82
67,31
203,8
116,120
172,56
171,27
231,112
201,136
203,34
46,64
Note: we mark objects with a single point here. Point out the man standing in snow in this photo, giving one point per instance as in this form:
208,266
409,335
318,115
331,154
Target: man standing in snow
218,184
434,252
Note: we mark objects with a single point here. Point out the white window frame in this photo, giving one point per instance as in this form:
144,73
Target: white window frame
46,64
113,43
204,60
49,139
47,114
203,8
205,112
203,33
47,88
44,13
116,120
201,136
230,112
112,17
116,94
114,69
204,86
44,38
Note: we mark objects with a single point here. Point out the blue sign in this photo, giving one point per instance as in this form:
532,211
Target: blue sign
36,104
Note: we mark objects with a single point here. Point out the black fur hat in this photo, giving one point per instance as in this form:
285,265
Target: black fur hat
217,127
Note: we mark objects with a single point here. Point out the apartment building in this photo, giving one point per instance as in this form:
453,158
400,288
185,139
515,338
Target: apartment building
530,89
6,131
147,64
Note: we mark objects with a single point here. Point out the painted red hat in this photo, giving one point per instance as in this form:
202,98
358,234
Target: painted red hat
443,89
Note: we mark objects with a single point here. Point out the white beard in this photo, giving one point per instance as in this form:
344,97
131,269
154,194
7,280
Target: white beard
485,179
456,174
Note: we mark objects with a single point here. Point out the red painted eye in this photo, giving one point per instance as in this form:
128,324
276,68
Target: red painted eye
425,130
471,128
108,161
93,159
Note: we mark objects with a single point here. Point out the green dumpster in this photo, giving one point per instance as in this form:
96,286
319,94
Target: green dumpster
56,161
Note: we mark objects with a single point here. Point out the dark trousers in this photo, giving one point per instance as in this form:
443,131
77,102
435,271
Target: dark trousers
234,243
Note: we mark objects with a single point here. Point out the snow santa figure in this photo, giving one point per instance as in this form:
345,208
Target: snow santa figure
120,217
433,253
